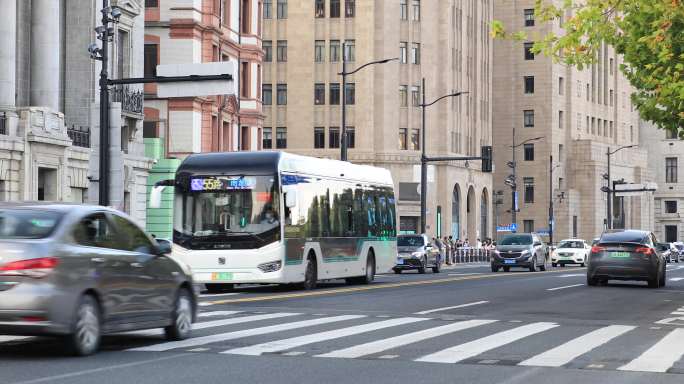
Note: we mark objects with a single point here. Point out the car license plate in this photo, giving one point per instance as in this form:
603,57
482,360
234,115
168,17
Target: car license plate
620,255
400,261
509,261
222,276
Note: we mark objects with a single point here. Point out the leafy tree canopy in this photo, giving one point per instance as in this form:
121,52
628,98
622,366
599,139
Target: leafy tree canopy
649,34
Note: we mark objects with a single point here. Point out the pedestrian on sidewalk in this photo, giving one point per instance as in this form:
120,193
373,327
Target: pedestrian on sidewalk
447,250
440,248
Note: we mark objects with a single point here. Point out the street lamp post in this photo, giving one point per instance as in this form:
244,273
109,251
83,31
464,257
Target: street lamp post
344,74
511,180
424,159
552,220
609,200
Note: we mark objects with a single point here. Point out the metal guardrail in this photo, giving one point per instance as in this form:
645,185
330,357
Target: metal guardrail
470,255
80,137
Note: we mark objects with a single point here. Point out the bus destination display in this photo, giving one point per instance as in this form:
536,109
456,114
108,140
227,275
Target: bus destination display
221,184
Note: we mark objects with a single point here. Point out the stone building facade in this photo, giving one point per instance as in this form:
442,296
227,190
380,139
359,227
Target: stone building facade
49,104
578,116
444,41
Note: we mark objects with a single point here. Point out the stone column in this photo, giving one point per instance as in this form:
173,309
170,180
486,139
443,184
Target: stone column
8,53
45,53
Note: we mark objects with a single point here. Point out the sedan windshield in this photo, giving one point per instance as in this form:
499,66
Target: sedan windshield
516,240
27,223
410,241
571,244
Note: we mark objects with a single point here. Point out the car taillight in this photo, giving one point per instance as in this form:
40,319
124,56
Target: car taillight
597,249
37,268
645,250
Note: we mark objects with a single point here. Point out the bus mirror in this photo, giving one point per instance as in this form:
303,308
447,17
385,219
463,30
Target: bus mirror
156,195
291,199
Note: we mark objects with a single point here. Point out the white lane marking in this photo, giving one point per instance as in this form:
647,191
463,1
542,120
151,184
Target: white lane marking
564,287
465,274
6,339
193,342
565,353
218,323
473,348
676,278
219,294
453,307
399,341
281,345
661,356
573,275
217,313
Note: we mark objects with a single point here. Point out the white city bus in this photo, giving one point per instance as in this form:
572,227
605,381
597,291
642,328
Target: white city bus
274,217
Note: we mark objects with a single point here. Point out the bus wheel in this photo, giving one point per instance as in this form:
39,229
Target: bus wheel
370,272
219,288
311,273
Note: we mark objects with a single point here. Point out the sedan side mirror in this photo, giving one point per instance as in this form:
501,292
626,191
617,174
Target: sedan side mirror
537,244
163,246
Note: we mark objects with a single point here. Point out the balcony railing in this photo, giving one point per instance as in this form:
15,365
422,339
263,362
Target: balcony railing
3,124
131,101
80,137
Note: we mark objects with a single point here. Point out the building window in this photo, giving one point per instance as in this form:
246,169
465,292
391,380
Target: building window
151,3
403,143
334,137
671,134
529,152
350,94
528,51
671,234
403,55
670,206
282,50
579,88
267,94
561,85
415,96
416,10
124,54
560,119
349,8
528,226
334,94
588,92
266,139
529,84
319,137
670,169
319,51
267,45
528,118
282,9
528,185
334,51
268,8
403,9
245,80
335,8
529,17
320,8
350,50
574,227
150,129
403,95
281,137
579,121
612,66
351,137
415,53
319,94
561,153
246,18
415,139
612,95
151,59
281,96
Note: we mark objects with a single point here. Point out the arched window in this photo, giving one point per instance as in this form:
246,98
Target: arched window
484,210
456,213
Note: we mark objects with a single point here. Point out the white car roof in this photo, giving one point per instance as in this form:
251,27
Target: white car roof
582,240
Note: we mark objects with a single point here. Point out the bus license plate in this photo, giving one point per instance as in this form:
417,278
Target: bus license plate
620,255
509,261
222,276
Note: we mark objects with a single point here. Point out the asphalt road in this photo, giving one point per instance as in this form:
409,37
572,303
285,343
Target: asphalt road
464,325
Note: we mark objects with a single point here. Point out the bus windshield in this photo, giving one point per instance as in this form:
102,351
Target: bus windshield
227,212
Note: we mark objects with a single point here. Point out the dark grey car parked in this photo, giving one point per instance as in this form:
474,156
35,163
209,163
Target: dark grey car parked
626,255
83,271
525,250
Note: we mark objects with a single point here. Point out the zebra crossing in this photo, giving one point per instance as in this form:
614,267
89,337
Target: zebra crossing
429,340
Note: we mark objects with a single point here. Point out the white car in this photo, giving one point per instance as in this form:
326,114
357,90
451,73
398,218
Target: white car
570,251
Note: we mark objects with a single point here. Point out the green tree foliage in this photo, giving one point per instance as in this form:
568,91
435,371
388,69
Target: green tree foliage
649,34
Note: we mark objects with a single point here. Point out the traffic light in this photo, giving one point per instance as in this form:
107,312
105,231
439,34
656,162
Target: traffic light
486,154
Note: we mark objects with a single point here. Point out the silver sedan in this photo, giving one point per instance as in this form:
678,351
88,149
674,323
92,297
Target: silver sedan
79,272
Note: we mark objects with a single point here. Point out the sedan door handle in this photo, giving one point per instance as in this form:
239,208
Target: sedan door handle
137,265
98,259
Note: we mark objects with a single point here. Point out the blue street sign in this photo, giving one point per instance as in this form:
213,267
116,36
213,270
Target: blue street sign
507,228
543,232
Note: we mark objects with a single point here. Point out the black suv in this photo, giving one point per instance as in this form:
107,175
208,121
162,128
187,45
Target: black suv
525,250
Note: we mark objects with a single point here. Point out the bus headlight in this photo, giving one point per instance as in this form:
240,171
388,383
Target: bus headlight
270,267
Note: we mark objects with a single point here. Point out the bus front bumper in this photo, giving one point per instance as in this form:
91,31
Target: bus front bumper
237,276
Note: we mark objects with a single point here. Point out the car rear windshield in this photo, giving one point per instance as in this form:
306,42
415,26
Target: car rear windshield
27,223
624,237
410,241
516,240
663,247
571,244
